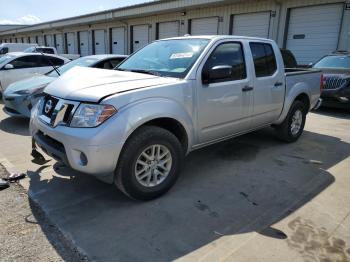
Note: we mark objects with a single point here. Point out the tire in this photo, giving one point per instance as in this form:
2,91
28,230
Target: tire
284,130
144,140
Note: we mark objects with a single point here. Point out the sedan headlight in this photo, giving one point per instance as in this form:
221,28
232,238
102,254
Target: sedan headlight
30,91
91,115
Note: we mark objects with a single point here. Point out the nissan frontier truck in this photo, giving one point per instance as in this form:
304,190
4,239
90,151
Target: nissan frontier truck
133,126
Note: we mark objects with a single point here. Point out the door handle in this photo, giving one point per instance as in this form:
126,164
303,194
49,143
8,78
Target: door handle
247,88
278,84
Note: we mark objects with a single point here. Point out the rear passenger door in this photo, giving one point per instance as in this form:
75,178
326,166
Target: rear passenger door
269,84
223,107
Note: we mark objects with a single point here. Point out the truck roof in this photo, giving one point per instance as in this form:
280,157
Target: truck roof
219,37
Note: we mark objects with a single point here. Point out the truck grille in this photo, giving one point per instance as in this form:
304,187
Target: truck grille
55,111
334,82
50,103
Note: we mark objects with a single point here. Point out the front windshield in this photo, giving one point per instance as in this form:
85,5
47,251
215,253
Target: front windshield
334,62
5,58
83,61
173,58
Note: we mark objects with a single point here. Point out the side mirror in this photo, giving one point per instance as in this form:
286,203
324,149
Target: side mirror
9,66
216,73
310,65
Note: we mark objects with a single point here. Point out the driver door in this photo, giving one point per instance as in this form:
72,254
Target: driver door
224,105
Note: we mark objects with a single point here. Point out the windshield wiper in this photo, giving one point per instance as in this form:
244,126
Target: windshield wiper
142,71
48,59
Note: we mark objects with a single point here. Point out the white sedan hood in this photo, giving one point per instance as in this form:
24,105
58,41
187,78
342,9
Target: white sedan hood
92,85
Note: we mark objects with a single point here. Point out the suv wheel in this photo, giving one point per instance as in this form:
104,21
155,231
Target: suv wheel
292,127
149,164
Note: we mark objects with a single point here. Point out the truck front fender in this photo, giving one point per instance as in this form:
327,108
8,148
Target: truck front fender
138,113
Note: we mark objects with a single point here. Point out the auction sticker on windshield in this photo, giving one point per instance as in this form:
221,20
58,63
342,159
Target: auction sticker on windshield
181,55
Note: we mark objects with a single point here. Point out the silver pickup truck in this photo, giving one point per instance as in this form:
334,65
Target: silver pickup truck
133,126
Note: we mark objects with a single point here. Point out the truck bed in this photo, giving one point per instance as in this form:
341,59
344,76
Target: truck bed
299,71
303,79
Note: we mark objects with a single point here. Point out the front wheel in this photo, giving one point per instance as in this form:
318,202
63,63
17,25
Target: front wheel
292,127
149,163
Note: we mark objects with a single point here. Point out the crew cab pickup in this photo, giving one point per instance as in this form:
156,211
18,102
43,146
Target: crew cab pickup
134,125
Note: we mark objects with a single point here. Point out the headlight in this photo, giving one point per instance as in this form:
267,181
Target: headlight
35,109
90,115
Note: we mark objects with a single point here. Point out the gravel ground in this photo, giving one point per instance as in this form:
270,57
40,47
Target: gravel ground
25,232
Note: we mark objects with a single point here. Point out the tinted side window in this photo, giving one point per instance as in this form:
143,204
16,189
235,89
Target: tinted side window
116,62
228,54
264,59
49,61
26,62
4,50
288,59
45,50
104,65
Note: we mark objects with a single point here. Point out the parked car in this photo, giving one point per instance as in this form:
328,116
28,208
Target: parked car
20,96
14,47
133,127
336,73
17,66
50,50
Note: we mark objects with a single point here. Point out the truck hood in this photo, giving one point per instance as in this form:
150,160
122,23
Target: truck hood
92,85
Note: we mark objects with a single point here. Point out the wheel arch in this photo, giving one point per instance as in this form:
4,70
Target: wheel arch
300,94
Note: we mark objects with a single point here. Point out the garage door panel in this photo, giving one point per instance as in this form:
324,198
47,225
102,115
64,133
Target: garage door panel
140,36
252,24
84,43
320,26
205,26
59,43
168,29
49,40
40,40
100,42
71,43
118,40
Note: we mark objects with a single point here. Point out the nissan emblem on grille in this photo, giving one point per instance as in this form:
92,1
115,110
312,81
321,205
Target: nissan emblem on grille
48,106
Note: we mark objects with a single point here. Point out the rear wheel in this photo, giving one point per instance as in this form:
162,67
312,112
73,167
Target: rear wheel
149,163
292,127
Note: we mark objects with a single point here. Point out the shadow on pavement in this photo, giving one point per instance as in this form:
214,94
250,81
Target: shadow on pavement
243,185
333,112
17,126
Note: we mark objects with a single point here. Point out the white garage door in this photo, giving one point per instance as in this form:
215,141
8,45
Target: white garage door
84,43
205,26
118,40
313,31
59,43
49,40
168,29
40,40
253,24
33,39
140,36
70,43
100,42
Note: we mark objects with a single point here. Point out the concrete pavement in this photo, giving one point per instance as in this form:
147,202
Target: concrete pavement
252,198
